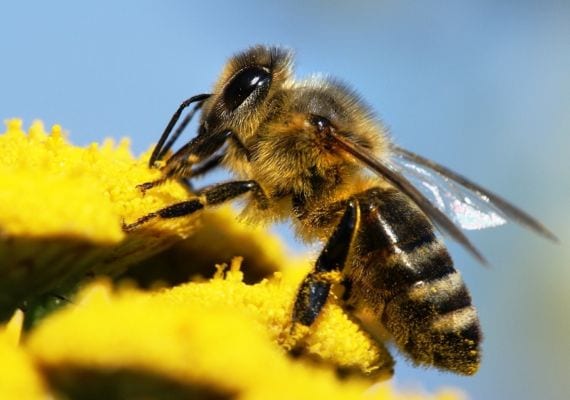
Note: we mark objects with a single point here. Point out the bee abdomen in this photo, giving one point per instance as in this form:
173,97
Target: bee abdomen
426,306
433,320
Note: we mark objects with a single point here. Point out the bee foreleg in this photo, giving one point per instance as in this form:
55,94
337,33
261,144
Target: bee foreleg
314,289
207,165
181,163
209,196
201,169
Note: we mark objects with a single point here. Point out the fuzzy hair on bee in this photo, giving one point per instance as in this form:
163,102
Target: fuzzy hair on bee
312,151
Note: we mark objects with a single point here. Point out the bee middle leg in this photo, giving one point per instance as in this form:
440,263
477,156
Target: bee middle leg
315,288
208,196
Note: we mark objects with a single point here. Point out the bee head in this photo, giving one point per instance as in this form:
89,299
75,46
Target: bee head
247,90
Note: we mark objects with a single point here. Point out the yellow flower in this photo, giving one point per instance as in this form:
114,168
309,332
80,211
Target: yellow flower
19,377
228,336
61,209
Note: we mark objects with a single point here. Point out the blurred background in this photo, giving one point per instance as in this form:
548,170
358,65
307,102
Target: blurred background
482,87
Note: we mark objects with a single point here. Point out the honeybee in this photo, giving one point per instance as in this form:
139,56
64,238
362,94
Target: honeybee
311,150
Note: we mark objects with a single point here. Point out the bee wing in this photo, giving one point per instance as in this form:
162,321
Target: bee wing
467,204
399,181
490,209
466,208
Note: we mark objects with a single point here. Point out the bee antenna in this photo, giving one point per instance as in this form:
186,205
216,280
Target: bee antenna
161,149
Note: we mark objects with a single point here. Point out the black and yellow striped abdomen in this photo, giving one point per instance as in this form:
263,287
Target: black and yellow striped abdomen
400,269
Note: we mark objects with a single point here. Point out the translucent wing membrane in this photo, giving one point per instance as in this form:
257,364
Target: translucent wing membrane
466,203
450,200
438,217
466,208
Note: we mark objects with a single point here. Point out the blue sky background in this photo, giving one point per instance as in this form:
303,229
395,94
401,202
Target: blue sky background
482,87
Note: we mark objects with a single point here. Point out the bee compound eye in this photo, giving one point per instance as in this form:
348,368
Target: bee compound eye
243,84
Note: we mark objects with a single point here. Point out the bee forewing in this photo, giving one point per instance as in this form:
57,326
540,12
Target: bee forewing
487,207
468,209
439,218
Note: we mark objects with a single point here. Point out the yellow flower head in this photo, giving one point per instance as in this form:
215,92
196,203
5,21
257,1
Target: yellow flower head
61,210
61,213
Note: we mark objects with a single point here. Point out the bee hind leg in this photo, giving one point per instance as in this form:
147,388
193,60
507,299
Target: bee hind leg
315,288
208,196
